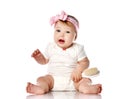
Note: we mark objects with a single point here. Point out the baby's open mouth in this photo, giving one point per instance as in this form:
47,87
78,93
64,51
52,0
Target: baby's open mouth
61,41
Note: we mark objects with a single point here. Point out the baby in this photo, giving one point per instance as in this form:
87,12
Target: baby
66,61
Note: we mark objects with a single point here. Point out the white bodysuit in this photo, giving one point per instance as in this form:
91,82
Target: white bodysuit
61,64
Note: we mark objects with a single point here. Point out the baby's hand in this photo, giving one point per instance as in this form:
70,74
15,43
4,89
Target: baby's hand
35,53
38,56
76,75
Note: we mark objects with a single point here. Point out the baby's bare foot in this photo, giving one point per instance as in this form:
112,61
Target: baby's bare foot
91,89
34,89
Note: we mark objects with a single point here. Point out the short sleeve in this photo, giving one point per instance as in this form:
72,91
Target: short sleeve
47,51
81,52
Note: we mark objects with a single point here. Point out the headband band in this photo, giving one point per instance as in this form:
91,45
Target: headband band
64,17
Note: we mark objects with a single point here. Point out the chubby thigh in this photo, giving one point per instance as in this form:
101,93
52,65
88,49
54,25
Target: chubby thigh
63,83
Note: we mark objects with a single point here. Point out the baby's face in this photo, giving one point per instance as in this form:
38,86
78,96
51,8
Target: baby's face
64,35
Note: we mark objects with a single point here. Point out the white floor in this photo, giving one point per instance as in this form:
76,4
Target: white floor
64,95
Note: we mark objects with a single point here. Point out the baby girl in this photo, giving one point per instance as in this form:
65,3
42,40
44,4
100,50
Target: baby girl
66,61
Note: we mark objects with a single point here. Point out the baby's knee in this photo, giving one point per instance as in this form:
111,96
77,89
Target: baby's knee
88,80
40,79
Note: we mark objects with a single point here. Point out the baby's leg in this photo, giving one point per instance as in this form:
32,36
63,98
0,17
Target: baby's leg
44,85
86,87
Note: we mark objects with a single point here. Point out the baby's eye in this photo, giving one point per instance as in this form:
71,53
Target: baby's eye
67,31
58,30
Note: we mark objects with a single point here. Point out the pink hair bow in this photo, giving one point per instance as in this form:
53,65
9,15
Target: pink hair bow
63,16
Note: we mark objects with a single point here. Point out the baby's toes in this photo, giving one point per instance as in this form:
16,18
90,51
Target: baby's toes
28,88
99,87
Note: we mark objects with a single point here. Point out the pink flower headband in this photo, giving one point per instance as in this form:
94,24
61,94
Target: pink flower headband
64,17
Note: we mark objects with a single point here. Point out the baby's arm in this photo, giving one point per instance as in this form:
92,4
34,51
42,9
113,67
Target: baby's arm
81,66
39,57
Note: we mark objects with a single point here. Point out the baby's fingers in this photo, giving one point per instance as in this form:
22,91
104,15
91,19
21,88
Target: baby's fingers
76,78
35,53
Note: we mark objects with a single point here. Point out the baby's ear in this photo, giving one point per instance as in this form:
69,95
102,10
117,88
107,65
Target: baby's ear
75,36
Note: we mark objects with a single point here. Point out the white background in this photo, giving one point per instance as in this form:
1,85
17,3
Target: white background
24,26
